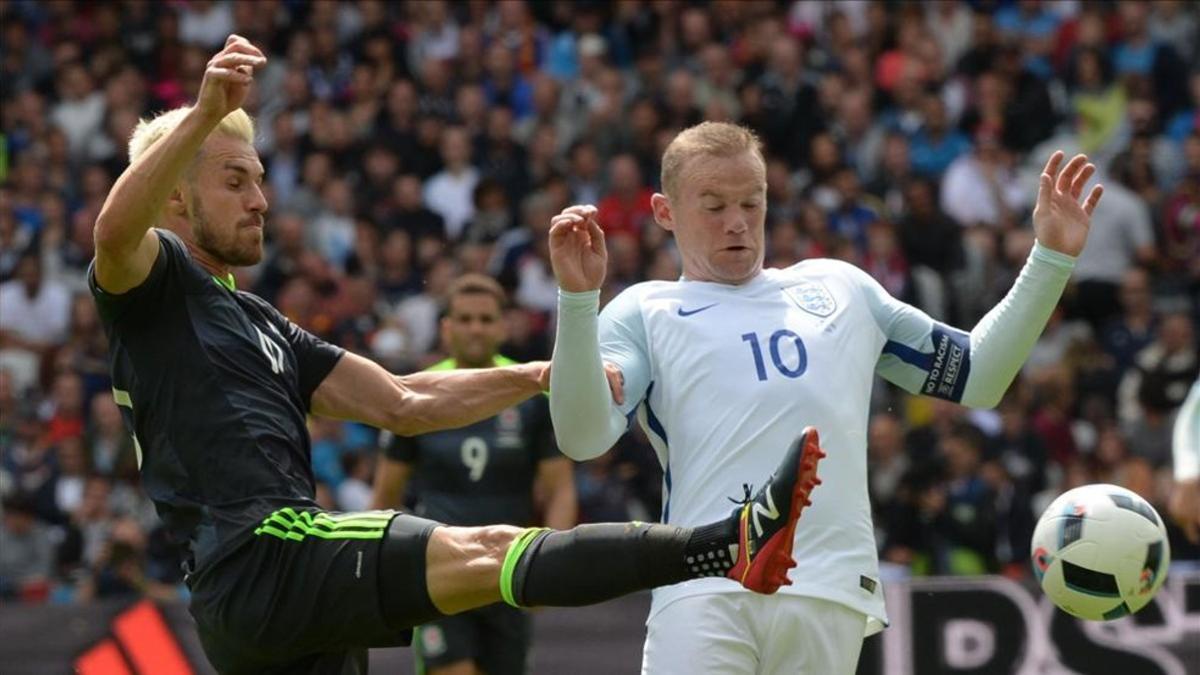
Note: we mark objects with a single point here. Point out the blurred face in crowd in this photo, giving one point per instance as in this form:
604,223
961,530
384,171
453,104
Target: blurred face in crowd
106,416
397,251
408,192
1135,291
456,148
68,394
585,163
624,174
885,437
961,456
473,329
223,201
785,56
1191,152
1176,334
289,233
718,217
29,272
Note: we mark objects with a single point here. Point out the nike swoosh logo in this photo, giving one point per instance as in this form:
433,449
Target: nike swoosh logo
685,312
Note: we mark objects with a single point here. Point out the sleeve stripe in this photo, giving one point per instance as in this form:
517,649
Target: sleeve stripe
908,355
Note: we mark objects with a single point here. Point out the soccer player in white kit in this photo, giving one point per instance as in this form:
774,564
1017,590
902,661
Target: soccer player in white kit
724,365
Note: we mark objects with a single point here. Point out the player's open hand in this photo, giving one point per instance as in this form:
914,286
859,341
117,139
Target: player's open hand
1060,221
577,251
228,76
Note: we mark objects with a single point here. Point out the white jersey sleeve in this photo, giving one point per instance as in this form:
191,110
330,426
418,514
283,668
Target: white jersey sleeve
586,420
927,357
623,344
1186,438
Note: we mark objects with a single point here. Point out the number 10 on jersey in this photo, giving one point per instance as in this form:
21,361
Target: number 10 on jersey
781,356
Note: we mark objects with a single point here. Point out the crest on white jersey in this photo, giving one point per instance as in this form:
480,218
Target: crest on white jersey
812,297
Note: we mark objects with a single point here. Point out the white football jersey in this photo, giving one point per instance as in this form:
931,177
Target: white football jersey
723,379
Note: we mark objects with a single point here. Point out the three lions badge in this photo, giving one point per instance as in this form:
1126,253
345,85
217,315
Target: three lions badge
812,297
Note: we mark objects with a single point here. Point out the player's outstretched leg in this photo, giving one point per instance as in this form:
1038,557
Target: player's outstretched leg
467,567
592,563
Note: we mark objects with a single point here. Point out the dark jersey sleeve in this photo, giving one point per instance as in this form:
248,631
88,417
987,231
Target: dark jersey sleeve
541,433
315,358
400,448
147,296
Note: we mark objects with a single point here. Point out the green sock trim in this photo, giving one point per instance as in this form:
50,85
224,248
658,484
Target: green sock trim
515,551
417,646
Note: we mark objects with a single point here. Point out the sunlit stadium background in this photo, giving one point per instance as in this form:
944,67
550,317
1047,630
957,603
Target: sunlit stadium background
408,142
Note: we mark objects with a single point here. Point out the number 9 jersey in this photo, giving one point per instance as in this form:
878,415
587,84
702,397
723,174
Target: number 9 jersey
483,473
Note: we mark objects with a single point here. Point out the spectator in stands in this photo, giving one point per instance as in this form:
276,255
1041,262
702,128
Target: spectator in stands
980,188
1122,236
26,550
35,319
625,209
1161,373
937,144
1180,243
1127,334
449,192
889,459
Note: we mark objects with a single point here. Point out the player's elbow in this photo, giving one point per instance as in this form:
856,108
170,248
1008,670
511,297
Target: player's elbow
413,415
105,234
411,422
113,239
984,400
580,449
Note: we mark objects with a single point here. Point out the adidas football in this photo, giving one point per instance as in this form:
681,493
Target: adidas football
1100,552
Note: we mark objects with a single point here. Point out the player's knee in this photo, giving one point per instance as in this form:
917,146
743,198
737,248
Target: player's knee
493,541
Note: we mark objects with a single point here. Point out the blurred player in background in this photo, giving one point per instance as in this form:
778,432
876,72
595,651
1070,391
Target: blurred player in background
719,365
504,469
1185,497
215,384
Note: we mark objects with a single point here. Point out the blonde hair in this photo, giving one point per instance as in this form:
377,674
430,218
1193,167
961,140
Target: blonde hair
715,139
148,131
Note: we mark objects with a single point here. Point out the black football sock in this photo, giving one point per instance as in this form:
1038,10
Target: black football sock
592,563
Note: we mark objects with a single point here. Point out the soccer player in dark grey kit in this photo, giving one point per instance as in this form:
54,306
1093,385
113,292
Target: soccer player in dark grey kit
484,473
215,385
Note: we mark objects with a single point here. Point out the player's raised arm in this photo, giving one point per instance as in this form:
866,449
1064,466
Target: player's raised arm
975,369
126,247
586,422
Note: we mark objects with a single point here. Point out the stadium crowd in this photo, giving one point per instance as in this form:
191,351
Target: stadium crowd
406,143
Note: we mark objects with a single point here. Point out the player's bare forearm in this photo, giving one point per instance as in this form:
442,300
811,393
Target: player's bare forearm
556,487
361,390
449,399
391,478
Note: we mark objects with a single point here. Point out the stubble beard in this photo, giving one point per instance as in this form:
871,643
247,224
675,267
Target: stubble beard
226,253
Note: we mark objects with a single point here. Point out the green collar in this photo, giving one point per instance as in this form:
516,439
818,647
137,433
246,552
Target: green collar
450,363
227,281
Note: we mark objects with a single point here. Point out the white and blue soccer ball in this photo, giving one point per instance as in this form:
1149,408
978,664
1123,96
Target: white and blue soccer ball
1100,552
